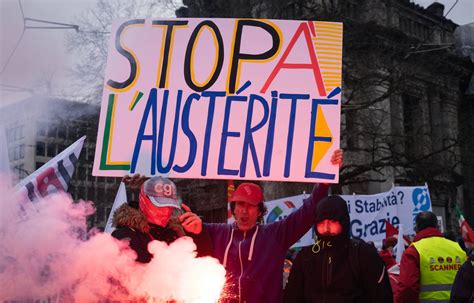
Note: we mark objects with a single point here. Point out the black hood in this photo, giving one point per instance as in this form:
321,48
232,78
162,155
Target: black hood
333,208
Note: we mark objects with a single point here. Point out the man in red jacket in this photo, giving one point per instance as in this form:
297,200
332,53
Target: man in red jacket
429,265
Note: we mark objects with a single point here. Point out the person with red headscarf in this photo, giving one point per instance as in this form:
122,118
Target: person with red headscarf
157,218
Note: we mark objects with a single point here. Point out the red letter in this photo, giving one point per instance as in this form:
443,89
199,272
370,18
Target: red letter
314,65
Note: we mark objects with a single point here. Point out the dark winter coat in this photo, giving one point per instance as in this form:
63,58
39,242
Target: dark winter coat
132,225
254,259
326,273
463,287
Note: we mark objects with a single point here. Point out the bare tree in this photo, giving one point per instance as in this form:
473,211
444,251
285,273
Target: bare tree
90,42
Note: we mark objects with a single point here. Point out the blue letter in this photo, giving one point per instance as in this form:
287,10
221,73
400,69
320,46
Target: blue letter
150,105
165,169
226,133
187,131
291,127
313,138
270,135
248,139
207,137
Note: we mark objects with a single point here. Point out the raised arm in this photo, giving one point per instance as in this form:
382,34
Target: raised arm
293,227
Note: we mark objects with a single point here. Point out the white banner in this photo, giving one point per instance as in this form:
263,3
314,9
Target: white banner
399,205
120,199
280,209
53,176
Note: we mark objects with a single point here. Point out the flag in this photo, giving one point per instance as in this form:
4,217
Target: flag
230,192
392,231
400,247
53,176
4,161
120,199
466,230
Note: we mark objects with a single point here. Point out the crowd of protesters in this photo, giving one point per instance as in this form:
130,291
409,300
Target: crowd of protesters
334,269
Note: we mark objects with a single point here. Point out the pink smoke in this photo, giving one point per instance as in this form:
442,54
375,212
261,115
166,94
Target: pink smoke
46,251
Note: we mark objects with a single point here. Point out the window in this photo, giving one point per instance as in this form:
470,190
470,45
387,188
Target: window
9,135
82,173
52,131
16,153
411,123
22,151
51,150
90,155
39,164
19,171
100,195
40,148
14,133
41,128
100,213
62,132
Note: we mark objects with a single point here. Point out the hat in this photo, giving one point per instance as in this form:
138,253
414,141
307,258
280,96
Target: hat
248,192
161,192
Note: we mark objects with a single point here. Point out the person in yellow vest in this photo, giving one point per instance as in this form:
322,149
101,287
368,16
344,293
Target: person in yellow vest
429,266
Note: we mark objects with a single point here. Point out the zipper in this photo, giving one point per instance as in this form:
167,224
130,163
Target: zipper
241,267
326,272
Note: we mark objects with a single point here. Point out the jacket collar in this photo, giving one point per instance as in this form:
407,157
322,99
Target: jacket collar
427,232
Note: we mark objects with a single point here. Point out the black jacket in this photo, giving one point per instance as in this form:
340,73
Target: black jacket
326,271
463,286
132,225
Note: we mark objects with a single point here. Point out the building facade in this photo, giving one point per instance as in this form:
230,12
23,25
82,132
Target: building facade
38,128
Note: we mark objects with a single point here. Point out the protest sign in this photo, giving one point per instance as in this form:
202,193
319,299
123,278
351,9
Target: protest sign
368,213
221,99
399,205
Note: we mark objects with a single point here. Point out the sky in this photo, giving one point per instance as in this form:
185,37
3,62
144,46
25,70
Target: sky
41,53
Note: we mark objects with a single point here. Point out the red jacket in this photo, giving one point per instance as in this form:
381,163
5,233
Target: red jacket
387,258
409,279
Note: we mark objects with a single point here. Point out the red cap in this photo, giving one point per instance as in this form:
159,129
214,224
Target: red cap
248,192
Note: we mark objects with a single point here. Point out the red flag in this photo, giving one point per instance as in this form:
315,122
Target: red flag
466,230
392,231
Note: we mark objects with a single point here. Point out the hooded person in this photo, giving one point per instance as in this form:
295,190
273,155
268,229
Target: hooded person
157,218
337,268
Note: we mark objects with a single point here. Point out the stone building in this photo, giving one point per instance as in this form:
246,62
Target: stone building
38,128
405,117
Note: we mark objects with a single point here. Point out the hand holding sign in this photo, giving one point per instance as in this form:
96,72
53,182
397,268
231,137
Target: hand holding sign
337,158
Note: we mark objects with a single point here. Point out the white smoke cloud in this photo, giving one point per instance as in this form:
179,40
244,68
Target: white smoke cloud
46,251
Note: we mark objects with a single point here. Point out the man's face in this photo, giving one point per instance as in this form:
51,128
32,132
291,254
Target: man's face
329,228
246,215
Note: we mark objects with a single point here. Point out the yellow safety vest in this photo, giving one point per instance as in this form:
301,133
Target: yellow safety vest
440,260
